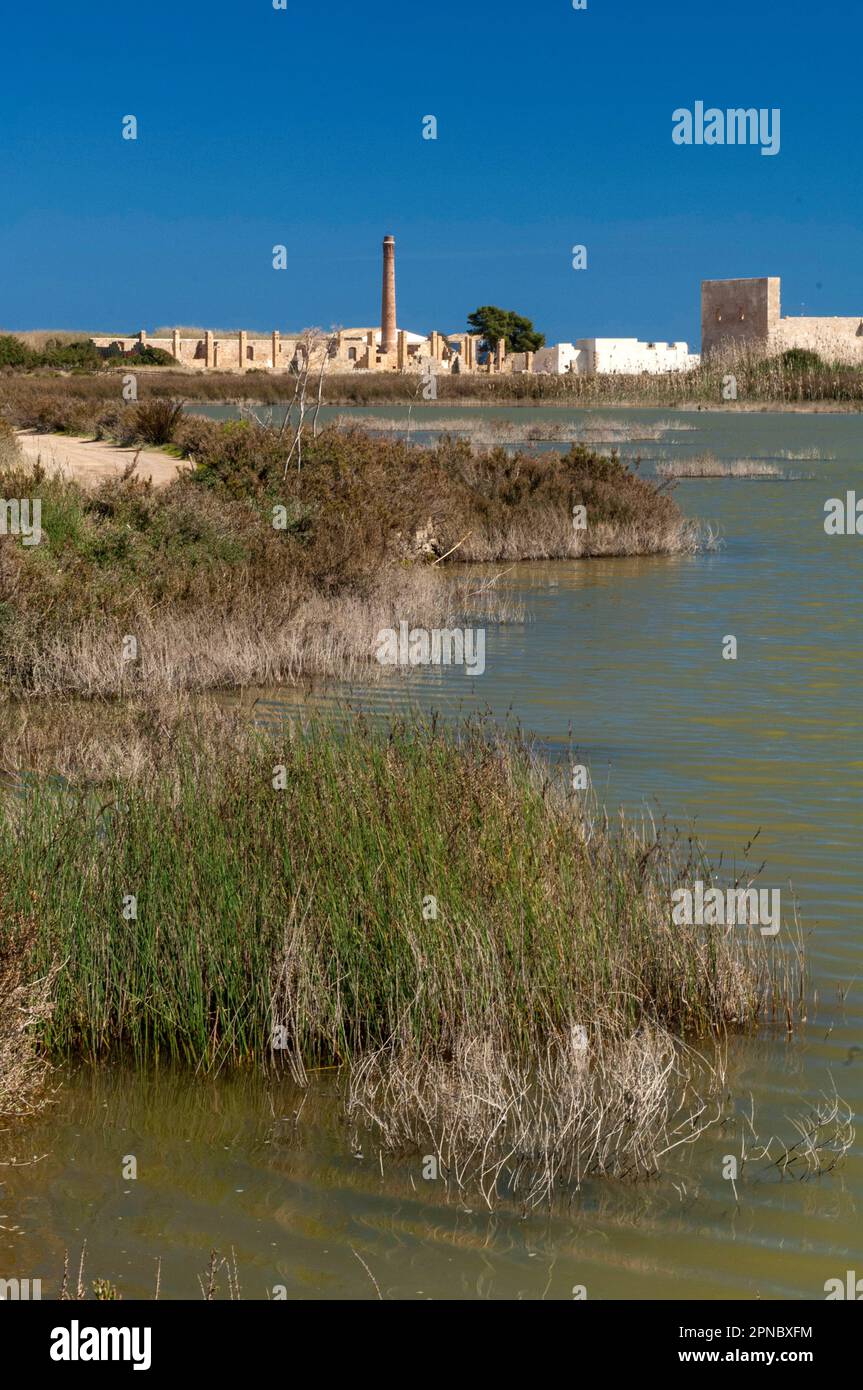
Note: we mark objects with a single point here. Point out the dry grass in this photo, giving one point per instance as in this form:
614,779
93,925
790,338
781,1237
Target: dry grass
10,449
616,1108
706,466
279,638
484,431
814,455
824,1134
25,1007
214,594
36,338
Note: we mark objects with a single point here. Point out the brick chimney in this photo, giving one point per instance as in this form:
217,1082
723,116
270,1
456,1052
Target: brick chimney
389,332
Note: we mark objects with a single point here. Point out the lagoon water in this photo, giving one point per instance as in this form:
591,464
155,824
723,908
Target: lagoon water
621,660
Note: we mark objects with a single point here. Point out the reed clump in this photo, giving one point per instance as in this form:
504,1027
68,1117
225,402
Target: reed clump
484,430
707,466
491,962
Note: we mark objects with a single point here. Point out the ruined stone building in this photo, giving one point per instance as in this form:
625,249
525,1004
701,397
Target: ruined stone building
733,313
746,313
386,348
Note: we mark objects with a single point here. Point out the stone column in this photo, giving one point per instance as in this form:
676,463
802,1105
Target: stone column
276,348
528,361
209,349
175,344
388,297
241,348
499,354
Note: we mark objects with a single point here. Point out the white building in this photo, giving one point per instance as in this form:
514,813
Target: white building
602,356
618,355
561,358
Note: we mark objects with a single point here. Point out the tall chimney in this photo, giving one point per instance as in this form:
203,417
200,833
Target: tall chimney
389,332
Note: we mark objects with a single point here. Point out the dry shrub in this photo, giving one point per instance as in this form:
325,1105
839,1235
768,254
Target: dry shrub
604,1103
156,421
25,1005
216,594
10,451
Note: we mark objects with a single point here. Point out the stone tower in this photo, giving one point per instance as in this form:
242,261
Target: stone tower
389,332
737,313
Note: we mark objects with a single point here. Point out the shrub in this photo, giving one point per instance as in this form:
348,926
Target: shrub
803,360
48,412
81,352
146,356
156,421
13,353
10,454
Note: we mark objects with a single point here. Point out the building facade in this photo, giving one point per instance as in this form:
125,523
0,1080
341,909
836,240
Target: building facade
747,314
614,356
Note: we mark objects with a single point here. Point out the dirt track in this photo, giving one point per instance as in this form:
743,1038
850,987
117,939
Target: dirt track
89,461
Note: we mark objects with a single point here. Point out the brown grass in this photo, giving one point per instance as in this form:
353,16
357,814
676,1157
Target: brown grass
25,1006
706,466
215,595
277,638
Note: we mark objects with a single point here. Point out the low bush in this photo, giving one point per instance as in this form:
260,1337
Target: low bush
308,561
155,422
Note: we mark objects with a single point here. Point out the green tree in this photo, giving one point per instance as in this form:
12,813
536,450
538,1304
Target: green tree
147,356
517,332
13,353
79,352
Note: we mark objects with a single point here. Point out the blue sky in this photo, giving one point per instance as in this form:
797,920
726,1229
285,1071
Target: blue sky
304,127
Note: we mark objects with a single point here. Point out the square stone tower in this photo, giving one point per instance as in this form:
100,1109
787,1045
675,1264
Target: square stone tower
738,312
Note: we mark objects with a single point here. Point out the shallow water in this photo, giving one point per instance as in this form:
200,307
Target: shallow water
621,659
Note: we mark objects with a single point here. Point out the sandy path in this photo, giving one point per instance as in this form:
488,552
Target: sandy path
88,461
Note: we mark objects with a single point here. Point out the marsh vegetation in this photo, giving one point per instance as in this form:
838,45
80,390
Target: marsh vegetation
247,570
490,962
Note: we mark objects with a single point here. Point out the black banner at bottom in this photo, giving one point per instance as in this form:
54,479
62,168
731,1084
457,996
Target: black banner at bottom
84,1338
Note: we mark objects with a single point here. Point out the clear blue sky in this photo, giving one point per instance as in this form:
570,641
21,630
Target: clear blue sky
303,126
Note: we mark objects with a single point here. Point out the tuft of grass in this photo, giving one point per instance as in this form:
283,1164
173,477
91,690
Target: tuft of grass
156,421
283,893
706,466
